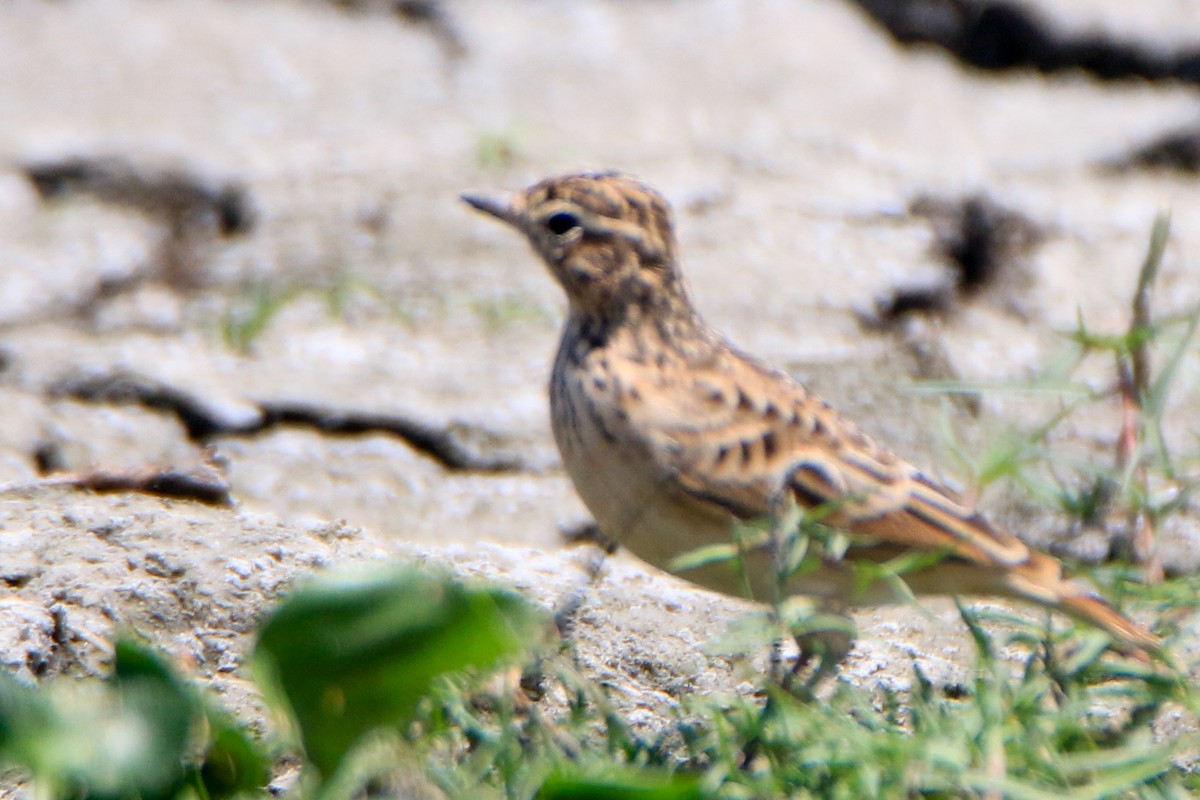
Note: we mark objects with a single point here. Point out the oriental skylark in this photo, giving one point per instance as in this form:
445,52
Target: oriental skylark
674,438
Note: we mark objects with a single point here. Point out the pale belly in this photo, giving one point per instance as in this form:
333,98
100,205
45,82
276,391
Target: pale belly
638,505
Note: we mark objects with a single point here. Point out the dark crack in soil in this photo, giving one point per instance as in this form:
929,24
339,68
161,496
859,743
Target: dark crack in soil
986,247
998,36
456,446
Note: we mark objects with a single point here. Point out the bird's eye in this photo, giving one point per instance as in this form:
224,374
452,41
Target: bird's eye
562,223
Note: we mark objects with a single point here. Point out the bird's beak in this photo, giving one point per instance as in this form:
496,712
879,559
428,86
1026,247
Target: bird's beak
502,208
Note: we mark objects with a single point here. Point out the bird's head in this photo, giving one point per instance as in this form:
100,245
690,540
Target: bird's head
607,239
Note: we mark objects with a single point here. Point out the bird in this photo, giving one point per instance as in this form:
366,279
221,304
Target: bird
676,440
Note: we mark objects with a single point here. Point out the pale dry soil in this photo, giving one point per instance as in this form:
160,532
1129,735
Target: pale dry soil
791,137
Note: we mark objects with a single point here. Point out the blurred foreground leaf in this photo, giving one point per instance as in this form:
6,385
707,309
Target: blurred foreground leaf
620,783
352,652
230,762
143,733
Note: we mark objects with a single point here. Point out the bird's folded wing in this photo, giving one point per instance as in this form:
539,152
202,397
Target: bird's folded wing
764,434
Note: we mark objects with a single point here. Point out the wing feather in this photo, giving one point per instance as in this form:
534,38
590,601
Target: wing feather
760,432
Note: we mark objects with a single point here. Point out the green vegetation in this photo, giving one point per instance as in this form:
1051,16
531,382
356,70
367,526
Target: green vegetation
369,676
250,313
500,311
1141,459
143,732
349,655
247,318
497,149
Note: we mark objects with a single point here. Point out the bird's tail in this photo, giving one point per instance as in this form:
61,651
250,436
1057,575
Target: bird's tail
1041,580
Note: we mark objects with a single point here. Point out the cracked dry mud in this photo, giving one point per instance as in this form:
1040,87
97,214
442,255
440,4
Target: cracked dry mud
794,141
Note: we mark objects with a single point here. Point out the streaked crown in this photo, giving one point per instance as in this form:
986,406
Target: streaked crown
606,237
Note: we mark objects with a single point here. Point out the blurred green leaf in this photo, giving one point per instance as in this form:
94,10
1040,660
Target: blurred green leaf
144,733
355,651
23,712
110,740
228,762
703,557
620,783
1160,390
234,763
